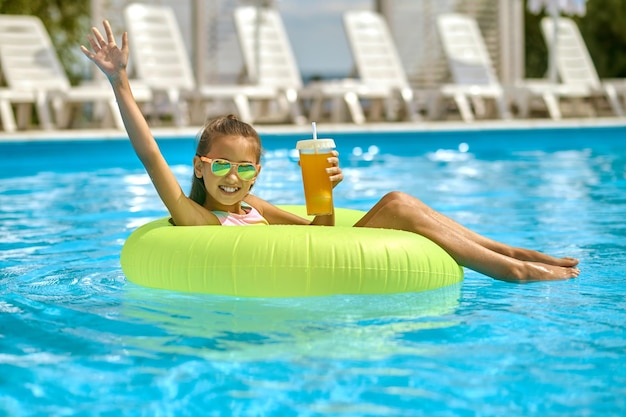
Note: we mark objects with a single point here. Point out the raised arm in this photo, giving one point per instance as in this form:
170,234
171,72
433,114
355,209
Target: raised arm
112,61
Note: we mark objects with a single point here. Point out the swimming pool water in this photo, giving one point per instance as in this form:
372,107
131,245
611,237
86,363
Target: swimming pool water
77,339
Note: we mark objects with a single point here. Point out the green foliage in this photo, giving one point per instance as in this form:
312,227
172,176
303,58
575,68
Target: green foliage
67,23
603,28
604,31
536,50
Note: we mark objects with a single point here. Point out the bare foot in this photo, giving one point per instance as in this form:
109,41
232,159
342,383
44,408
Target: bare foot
537,271
567,261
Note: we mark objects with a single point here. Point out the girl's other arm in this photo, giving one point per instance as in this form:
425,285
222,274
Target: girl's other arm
275,215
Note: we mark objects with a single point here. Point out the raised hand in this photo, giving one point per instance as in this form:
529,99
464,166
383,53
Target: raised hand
106,54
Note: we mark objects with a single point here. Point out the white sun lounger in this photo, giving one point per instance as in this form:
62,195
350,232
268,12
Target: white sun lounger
575,68
161,62
23,100
379,66
475,78
269,59
30,64
470,66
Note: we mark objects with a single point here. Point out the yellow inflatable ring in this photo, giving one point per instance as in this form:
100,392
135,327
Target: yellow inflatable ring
286,261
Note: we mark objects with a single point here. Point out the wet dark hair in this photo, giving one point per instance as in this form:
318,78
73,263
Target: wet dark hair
217,128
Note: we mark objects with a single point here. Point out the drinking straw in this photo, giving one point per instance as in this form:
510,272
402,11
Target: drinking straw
314,131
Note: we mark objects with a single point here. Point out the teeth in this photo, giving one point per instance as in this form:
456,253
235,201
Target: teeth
229,189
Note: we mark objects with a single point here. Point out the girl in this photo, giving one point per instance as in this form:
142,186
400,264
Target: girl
227,162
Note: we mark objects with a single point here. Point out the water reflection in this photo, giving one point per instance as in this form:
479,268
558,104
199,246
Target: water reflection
252,329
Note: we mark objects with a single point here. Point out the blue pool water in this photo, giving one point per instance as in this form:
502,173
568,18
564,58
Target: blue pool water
77,339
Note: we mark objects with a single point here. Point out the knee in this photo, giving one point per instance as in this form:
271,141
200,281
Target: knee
403,199
397,210
397,201
395,197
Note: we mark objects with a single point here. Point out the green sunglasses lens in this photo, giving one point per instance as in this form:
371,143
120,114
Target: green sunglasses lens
220,168
246,171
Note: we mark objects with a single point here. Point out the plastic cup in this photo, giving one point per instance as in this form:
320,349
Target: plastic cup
318,190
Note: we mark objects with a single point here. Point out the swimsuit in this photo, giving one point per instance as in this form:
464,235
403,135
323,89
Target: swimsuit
251,218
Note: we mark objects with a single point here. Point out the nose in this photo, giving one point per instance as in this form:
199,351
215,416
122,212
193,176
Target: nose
232,173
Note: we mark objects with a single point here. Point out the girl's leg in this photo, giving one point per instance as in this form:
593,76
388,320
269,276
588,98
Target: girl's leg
518,253
404,212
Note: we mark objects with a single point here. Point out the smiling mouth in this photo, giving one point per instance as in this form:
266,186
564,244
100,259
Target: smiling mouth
229,189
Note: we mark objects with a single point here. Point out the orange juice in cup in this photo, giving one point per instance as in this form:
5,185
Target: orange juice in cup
318,190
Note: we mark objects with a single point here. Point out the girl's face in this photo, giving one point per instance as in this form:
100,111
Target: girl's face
225,193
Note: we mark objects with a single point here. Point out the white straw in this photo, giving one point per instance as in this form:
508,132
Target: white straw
314,130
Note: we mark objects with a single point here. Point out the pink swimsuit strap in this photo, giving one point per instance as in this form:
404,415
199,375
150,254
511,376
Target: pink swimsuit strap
251,218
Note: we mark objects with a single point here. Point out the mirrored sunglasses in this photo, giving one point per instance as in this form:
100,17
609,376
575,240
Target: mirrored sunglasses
221,167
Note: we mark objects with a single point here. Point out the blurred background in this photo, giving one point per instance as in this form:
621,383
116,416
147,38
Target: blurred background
511,30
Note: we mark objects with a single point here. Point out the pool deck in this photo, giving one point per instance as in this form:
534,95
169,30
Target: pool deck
323,128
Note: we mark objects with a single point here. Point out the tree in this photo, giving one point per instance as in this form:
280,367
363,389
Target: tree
67,23
603,28
604,31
